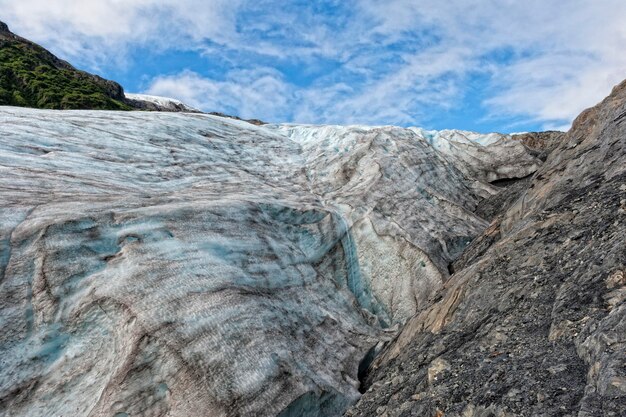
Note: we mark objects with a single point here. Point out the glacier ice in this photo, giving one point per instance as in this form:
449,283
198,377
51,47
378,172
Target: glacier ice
171,264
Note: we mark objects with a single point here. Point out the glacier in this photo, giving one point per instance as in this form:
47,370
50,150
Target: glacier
170,264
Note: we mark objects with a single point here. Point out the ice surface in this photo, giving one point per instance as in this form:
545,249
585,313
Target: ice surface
487,157
171,264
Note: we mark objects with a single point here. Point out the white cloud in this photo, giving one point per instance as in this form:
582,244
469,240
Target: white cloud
428,82
565,56
98,30
260,93
395,61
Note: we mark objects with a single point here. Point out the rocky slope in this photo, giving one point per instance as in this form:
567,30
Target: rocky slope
533,322
169,264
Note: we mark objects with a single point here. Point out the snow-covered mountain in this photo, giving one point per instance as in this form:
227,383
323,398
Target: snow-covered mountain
172,264
157,103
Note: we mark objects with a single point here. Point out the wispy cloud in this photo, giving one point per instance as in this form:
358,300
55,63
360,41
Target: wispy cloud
546,60
531,63
100,30
260,93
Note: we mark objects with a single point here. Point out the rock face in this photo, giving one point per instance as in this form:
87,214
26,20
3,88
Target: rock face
162,264
540,141
533,322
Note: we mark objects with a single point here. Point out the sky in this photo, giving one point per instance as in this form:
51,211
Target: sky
482,65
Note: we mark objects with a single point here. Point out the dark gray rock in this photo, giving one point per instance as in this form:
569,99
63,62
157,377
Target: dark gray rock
533,323
541,142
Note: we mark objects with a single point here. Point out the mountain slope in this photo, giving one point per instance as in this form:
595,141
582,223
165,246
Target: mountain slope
30,76
533,323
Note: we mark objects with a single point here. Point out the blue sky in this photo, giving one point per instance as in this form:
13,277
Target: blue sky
490,65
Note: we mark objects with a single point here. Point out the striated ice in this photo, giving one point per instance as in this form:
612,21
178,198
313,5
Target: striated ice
169,264
486,157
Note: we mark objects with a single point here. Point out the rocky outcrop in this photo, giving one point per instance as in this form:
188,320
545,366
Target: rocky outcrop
171,264
532,323
541,142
